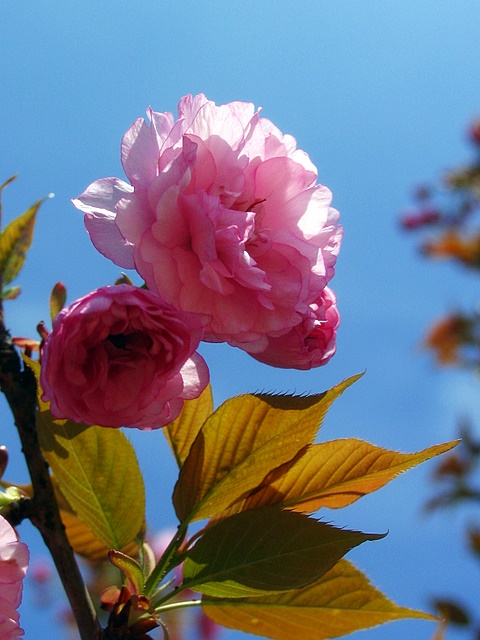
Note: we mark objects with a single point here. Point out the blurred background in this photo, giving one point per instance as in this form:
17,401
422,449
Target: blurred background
379,95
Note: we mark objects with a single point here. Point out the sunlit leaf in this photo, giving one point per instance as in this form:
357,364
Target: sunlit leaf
57,299
334,474
15,240
264,551
130,568
10,293
242,442
341,602
83,541
182,432
98,474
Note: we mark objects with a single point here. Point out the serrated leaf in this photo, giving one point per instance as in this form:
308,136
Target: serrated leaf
58,298
15,240
97,472
241,443
264,551
341,602
83,541
334,474
81,538
182,432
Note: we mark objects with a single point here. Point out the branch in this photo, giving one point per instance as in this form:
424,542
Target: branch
19,386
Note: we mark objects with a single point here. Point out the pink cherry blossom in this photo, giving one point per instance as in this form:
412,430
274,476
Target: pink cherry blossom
121,356
222,217
309,344
13,567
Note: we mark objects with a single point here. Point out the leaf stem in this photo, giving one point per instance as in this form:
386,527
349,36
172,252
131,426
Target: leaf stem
19,386
164,565
178,605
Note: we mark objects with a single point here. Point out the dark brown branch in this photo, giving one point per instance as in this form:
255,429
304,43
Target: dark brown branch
19,386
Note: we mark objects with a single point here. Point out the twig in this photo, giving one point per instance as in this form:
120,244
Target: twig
19,386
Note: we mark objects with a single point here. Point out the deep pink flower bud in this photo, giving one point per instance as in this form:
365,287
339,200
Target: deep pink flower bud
121,356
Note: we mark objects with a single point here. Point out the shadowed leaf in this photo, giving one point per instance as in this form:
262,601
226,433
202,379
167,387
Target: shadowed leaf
334,474
341,602
97,472
182,432
241,443
264,551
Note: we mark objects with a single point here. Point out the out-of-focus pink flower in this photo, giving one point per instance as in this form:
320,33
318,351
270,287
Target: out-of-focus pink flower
121,356
222,217
207,628
309,344
417,219
13,567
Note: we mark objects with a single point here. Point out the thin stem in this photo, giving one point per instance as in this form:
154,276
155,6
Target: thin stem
164,564
19,387
178,605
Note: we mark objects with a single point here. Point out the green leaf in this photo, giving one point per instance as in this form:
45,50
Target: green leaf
341,602
58,298
84,542
97,472
334,474
130,568
182,432
241,443
264,551
15,240
11,293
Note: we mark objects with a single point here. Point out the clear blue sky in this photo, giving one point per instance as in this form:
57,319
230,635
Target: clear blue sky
378,93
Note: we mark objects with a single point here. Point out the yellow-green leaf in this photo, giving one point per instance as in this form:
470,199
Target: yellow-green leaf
241,443
15,240
83,541
130,568
341,602
57,299
264,551
334,474
97,472
182,432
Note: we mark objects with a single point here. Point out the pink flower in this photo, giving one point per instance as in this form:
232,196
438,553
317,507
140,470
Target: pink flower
309,344
222,217
13,567
121,356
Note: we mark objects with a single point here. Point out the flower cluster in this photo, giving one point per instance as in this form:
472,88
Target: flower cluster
13,567
224,221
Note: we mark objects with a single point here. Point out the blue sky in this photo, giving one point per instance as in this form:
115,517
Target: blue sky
378,94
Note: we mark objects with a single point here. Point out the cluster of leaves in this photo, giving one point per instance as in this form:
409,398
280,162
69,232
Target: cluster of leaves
251,475
261,563
447,217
